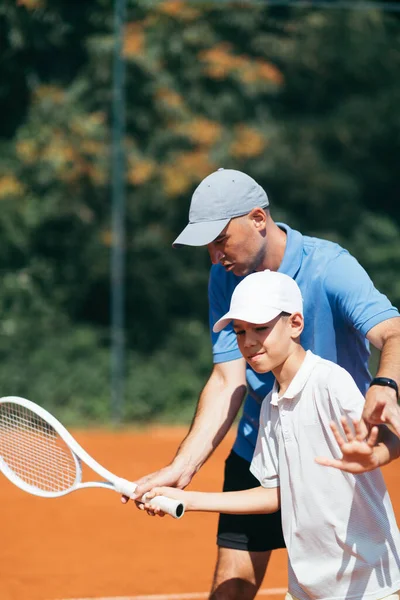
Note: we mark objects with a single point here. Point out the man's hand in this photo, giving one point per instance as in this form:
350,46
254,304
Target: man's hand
381,408
359,453
172,475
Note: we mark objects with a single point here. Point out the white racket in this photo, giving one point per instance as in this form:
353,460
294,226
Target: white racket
41,457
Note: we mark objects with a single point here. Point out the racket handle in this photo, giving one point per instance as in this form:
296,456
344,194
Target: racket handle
123,486
172,507
168,505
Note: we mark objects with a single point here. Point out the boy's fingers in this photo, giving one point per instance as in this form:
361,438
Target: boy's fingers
337,435
361,429
155,491
150,509
347,429
321,460
328,462
373,436
150,494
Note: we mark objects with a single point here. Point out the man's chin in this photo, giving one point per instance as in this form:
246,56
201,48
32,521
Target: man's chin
240,271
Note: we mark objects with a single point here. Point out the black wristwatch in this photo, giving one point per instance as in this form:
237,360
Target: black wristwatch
385,381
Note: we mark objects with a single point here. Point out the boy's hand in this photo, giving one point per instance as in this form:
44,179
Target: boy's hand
359,452
168,492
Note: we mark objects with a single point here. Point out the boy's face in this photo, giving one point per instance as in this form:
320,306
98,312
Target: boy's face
267,346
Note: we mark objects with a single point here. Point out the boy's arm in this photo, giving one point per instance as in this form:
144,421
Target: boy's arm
257,500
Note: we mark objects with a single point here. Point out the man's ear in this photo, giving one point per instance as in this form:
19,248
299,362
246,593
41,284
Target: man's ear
258,217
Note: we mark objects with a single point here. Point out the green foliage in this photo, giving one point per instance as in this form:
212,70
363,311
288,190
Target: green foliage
306,101
66,369
164,386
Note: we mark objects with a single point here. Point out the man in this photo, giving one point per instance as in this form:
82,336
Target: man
343,312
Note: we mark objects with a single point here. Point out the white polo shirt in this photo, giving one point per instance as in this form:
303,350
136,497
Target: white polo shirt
340,529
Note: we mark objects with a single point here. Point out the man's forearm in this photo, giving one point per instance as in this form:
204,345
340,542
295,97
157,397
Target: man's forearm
217,408
389,363
388,448
381,402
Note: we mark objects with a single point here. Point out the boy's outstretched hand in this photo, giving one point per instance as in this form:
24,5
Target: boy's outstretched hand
359,452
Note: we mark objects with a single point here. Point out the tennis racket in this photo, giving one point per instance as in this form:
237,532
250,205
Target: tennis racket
41,457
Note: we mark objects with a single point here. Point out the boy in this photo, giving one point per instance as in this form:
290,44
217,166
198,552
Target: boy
339,528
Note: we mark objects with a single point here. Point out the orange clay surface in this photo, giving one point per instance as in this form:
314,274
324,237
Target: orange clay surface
89,545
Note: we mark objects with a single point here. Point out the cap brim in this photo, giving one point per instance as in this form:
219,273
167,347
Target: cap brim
248,316
200,234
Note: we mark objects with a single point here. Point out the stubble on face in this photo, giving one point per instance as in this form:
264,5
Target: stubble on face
248,250
255,262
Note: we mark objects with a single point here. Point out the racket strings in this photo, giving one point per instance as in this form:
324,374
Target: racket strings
34,451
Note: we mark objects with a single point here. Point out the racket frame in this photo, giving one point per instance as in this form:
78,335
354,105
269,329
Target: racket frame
111,481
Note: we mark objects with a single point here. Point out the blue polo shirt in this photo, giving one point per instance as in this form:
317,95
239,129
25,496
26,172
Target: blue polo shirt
341,305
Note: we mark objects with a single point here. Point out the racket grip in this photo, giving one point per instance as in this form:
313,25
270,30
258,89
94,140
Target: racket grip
168,505
123,486
172,507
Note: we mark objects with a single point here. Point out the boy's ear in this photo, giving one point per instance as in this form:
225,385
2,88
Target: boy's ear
297,324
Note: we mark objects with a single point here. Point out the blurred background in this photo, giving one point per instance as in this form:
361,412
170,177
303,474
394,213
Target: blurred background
304,97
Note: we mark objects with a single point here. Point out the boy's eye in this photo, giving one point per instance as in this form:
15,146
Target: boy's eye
240,332
264,328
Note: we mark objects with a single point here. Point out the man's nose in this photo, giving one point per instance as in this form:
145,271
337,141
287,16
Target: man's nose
215,255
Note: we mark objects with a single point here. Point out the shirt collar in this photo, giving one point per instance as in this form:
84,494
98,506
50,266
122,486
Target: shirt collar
299,380
293,255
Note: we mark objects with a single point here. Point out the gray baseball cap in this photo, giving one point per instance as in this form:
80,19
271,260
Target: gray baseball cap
220,197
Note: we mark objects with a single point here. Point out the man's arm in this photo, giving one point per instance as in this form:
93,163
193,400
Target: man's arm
381,402
216,410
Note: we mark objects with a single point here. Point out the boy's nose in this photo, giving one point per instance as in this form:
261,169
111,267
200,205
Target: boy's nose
249,340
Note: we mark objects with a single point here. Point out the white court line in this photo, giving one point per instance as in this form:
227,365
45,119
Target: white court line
194,596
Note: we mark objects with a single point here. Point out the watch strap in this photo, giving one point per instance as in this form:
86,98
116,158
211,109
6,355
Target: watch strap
386,381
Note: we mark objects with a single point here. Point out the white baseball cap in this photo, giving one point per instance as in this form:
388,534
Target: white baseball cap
262,296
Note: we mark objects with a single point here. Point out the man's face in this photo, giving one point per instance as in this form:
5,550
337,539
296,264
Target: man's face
241,246
267,346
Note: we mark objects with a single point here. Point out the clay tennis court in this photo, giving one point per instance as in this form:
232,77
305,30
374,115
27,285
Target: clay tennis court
88,545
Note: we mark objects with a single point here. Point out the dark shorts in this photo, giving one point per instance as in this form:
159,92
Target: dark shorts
254,533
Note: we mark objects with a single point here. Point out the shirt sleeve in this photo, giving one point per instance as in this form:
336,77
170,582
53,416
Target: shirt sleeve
346,398
224,344
351,290
264,465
